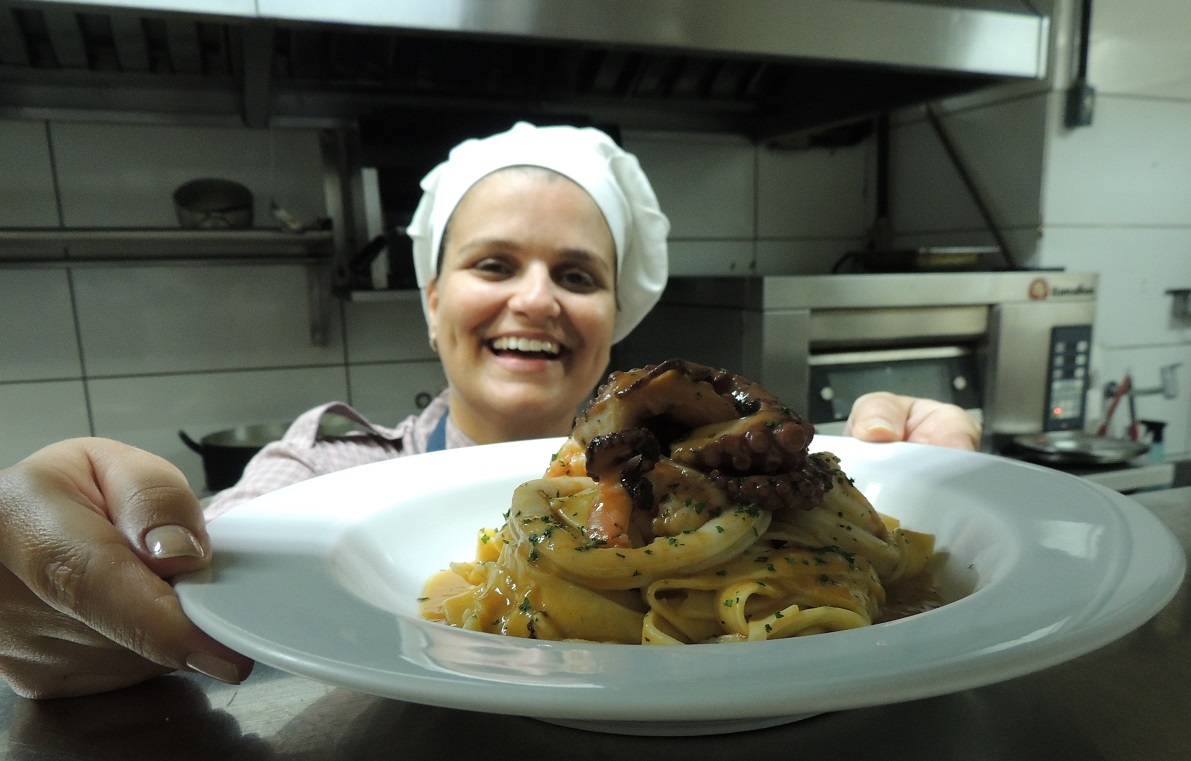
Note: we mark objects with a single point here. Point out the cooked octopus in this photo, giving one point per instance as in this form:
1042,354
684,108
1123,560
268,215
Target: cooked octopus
724,420
746,444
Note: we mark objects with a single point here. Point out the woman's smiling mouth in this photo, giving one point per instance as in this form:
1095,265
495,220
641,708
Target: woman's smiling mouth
539,348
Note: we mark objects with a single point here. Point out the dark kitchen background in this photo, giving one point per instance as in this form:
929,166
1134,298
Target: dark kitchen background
113,323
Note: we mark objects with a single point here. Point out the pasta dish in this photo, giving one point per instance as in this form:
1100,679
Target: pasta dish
686,507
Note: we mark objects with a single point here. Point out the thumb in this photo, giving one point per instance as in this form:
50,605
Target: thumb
148,500
879,417
94,528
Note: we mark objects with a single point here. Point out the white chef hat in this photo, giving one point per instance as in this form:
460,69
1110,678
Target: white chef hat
610,175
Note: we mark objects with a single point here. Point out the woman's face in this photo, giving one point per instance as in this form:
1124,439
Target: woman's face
524,305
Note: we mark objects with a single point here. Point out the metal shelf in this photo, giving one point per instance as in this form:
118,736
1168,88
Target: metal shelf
370,297
142,247
113,245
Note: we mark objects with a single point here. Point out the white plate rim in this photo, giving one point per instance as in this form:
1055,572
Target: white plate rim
631,685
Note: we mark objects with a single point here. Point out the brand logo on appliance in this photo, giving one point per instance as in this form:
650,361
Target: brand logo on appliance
1040,289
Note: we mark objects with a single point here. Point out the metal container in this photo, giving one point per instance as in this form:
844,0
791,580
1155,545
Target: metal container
213,204
226,453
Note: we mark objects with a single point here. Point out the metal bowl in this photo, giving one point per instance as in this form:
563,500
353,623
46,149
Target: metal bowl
213,204
1078,448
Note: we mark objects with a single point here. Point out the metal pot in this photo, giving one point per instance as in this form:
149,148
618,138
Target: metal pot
213,204
225,453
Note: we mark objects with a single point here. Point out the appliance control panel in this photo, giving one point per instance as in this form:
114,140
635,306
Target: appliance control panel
1067,377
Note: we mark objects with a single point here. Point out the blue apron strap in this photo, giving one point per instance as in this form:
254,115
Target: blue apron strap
438,437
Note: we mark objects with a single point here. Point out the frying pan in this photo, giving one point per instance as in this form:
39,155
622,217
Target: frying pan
1074,448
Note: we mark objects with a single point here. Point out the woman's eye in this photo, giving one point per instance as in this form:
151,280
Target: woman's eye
492,266
578,280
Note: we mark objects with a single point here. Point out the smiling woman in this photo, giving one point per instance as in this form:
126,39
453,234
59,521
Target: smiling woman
536,249
523,310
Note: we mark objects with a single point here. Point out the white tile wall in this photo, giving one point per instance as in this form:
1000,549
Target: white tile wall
711,257
35,414
389,391
706,185
27,196
37,332
815,193
387,331
170,319
1140,49
1131,167
148,411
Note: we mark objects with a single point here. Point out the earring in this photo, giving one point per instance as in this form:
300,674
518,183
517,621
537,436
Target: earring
433,344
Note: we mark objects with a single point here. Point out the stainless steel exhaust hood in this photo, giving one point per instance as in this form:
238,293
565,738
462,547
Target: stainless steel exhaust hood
763,68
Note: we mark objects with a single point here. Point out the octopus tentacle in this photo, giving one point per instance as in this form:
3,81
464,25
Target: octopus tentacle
803,488
752,448
619,462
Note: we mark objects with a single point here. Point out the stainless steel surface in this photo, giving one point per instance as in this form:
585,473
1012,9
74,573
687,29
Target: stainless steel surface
766,67
1135,479
1124,702
889,355
951,36
1017,370
121,239
878,326
879,290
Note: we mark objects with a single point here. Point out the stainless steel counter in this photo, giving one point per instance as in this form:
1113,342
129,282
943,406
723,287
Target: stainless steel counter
1127,701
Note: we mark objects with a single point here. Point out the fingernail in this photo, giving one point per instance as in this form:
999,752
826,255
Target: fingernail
880,427
214,667
173,542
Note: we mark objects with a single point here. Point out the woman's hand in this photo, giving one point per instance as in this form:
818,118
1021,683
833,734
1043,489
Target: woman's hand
881,416
91,528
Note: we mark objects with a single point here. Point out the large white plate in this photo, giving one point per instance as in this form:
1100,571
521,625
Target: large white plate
320,579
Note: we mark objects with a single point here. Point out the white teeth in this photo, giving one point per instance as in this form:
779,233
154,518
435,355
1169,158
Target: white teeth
508,343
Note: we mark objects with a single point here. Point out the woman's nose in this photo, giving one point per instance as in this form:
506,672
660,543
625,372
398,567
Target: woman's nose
535,294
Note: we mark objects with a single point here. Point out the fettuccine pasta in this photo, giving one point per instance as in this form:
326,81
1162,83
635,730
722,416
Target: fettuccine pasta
666,518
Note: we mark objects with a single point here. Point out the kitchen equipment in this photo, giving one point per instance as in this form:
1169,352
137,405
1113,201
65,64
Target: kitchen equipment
226,453
1075,448
764,68
1156,432
1012,346
213,204
925,259
1118,392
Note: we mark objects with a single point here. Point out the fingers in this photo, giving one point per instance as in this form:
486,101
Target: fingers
91,526
879,417
883,417
149,501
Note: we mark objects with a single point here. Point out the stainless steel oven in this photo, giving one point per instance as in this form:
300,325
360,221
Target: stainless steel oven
1013,347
